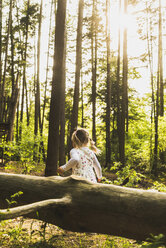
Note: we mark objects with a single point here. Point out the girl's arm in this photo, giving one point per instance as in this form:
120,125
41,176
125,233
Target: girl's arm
97,168
71,163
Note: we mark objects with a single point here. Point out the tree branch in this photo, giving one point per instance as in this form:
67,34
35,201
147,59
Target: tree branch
11,213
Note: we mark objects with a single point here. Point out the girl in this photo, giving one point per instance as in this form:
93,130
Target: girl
83,159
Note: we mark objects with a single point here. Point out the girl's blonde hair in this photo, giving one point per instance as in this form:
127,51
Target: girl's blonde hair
80,138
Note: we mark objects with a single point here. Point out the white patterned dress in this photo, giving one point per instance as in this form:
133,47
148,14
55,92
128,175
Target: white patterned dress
83,163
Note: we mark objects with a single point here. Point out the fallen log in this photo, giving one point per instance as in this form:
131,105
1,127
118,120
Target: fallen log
78,205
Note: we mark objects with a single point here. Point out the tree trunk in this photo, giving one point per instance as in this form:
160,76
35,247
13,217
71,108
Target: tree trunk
46,82
14,101
156,117
160,51
108,94
0,45
38,124
118,87
5,62
150,57
77,205
12,53
74,117
82,102
94,66
37,93
62,157
161,85
124,114
56,93
47,67
24,85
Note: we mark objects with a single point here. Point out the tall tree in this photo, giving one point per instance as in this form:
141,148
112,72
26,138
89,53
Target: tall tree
108,94
160,62
94,66
38,124
46,81
2,99
74,117
62,157
159,95
118,86
156,117
24,57
0,44
124,113
56,93
150,59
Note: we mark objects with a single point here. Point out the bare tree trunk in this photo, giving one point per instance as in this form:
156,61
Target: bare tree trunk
62,157
74,117
12,114
94,67
81,206
108,94
24,85
155,162
161,84
82,102
47,67
150,56
56,93
12,54
0,46
38,124
25,58
124,115
37,93
5,62
160,51
118,88
46,82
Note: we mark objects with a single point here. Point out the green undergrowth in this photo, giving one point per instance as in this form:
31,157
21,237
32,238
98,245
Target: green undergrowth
28,233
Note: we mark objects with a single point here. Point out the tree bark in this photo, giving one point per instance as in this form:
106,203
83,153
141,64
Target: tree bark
150,58
2,104
37,92
56,93
94,66
74,117
89,207
160,51
62,157
124,114
118,87
24,85
108,94
0,43
13,107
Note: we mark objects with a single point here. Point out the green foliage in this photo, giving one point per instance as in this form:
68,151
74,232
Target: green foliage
159,186
154,242
113,242
24,150
162,133
12,200
126,173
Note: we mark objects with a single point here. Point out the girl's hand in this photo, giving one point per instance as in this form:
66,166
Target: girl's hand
60,171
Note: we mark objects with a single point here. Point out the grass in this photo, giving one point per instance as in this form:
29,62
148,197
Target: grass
28,233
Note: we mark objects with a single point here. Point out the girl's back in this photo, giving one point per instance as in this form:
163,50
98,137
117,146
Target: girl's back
84,167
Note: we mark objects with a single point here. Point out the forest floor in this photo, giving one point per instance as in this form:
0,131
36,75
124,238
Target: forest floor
29,233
